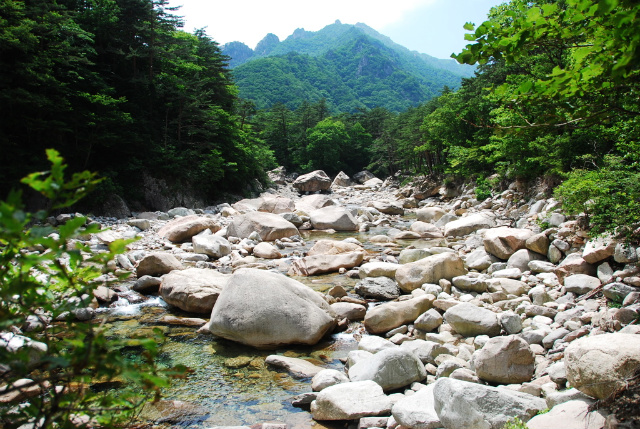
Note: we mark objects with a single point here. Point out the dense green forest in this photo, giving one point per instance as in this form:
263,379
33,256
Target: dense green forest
118,88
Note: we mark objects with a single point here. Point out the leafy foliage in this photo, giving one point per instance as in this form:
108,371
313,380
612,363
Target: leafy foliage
116,87
61,366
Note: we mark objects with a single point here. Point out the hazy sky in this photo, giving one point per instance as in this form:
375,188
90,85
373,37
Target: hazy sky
433,27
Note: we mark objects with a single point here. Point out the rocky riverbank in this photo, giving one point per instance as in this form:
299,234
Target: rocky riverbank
476,312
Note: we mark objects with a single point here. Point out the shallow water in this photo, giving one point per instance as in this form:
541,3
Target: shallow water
220,392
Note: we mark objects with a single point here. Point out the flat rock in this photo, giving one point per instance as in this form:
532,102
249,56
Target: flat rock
297,368
460,404
333,247
350,401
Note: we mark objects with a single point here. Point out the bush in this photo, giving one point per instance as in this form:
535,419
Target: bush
609,198
61,367
483,189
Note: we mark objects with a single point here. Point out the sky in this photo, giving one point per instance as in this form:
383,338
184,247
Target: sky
432,27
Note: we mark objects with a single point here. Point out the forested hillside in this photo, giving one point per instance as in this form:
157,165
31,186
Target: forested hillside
117,88
351,66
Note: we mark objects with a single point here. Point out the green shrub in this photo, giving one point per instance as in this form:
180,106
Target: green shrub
515,423
483,189
46,277
609,198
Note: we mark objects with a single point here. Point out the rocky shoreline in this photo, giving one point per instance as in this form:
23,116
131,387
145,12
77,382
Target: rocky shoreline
476,312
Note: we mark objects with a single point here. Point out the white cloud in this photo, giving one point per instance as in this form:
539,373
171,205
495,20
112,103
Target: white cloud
249,21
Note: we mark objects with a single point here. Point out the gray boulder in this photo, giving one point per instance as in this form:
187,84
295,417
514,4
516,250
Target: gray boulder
505,360
469,320
269,226
460,404
429,270
312,182
599,365
417,411
390,368
333,217
266,310
194,290
382,288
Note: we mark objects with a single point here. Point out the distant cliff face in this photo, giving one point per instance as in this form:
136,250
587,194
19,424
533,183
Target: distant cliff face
351,66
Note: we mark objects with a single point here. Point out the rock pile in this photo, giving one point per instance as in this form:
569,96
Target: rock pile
474,314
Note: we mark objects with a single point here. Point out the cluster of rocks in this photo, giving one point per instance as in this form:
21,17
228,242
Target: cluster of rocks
474,314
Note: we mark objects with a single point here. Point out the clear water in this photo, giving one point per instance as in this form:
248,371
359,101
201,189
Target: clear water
216,393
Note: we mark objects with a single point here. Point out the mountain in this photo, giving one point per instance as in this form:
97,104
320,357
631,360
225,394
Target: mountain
351,66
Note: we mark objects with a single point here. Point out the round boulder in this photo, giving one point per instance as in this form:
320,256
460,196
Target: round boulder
194,290
505,360
265,309
599,365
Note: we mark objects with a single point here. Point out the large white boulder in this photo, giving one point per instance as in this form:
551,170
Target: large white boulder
266,310
461,404
599,365
270,226
429,270
350,401
194,290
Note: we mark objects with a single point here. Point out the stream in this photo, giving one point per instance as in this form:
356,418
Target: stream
228,383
